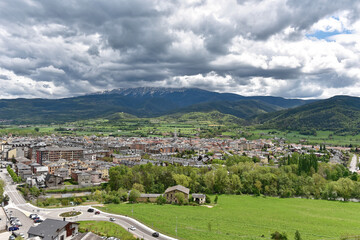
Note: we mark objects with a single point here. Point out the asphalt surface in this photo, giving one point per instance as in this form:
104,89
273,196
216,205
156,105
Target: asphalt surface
353,163
18,205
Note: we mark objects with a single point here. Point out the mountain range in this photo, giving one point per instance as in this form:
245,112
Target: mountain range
339,113
141,102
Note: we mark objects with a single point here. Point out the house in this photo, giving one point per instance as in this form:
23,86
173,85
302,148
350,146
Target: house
40,170
52,229
53,180
171,192
84,179
199,198
63,172
95,177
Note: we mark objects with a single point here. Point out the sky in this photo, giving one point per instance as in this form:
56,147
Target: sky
288,48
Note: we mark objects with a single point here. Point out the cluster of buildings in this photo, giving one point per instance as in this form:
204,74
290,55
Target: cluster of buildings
48,161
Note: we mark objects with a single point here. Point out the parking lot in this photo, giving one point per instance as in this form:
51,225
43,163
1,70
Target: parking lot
25,220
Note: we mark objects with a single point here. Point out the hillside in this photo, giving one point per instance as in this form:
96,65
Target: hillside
140,102
241,109
340,114
213,117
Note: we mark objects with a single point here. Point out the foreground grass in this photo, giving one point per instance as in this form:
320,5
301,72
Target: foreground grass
247,217
107,229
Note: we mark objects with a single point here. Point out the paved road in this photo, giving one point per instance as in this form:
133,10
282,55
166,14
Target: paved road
353,163
18,202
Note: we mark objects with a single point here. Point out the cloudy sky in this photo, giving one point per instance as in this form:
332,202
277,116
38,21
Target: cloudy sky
288,48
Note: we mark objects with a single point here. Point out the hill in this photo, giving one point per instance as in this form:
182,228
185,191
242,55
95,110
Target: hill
241,109
340,114
213,117
140,102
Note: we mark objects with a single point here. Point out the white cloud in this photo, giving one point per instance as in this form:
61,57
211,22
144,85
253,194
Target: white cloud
253,47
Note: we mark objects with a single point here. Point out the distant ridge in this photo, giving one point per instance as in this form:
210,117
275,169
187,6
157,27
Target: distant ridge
139,102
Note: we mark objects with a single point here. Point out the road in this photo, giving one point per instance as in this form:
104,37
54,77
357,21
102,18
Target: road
17,202
353,164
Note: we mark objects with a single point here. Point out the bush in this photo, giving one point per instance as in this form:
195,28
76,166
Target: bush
279,236
160,200
134,194
208,199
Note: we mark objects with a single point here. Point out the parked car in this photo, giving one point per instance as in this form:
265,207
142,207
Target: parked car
32,216
112,219
90,210
155,234
13,229
38,220
16,222
97,212
132,228
12,237
13,218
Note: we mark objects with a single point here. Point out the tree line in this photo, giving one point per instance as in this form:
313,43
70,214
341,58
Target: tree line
302,175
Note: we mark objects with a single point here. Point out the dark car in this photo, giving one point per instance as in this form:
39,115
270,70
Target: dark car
97,212
13,228
38,220
155,234
91,210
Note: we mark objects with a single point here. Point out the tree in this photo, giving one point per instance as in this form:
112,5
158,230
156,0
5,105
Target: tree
134,195
160,200
37,129
180,197
216,199
297,235
182,179
138,187
345,188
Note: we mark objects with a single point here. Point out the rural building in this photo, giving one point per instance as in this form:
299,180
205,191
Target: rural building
199,198
145,197
171,192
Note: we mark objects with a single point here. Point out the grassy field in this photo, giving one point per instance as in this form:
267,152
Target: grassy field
294,136
103,228
247,217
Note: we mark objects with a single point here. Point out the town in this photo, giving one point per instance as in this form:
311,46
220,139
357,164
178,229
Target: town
87,160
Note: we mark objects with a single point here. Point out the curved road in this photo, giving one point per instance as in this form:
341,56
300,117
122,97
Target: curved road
353,163
18,202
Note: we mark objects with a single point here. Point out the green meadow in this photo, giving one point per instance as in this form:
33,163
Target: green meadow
248,217
326,137
107,229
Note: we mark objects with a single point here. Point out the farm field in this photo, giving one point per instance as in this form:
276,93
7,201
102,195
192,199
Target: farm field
103,228
247,217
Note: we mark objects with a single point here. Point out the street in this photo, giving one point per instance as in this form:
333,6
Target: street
19,207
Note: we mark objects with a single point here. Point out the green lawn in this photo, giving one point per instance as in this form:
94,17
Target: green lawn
247,217
103,228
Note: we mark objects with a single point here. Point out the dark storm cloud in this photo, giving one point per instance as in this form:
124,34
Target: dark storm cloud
81,46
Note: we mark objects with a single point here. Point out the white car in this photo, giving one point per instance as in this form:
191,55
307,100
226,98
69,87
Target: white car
132,228
112,219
